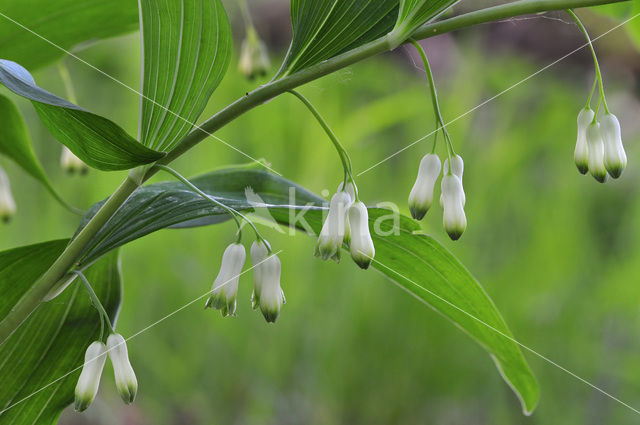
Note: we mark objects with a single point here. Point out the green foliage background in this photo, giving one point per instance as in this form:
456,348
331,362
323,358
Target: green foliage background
556,251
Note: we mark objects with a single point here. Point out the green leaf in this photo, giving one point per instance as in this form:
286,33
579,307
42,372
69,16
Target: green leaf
186,52
416,262
38,362
28,29
15,143
323,29
415,13
627,12
96,140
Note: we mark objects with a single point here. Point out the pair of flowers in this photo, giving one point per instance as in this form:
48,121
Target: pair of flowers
94,359
347,222
599,148
267,293
452,198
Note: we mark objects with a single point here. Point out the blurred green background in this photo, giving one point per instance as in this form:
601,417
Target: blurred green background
557,252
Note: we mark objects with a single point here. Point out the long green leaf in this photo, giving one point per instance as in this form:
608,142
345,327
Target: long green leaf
96,140
323,29
186,52
414,13
38,362
16,144
416,262
29,27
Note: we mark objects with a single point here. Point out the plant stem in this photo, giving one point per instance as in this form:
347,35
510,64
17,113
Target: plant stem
95,300
35,294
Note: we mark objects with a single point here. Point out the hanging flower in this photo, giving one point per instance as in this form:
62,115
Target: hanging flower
457,170
581,152
254,57
362,249
352,195
71,163
596,152
333,229
452,200
421,196
259,252
225,286
87,386
615,159
7,204
271,294
126,381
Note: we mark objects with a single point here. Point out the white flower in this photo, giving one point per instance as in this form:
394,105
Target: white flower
352,194
126,381
362,249
421,196
254,58
333,229
259,252
271,294
596,152
71,163
452,199
225,286
7,204
615,159
581,152
457,170
87,386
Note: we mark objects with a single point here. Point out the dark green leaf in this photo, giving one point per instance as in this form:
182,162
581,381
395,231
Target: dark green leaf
15,143
416,262
414,13
323,29
186,52
28,28
38,362
96,140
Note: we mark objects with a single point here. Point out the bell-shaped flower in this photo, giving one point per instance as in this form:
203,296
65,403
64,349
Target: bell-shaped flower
71,163
259,252
125,378
87,386
225,286
254,57
271,294
362,249
421,196
452,199
596,152
352,195
332,233
581,152
615,159
7,204
457,170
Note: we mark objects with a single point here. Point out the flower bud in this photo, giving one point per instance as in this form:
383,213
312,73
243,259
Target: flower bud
271,294
7,204
421,196
259,252
254,58
352,195
581,152
615,159
452,199
457,170
225,286
71,163
87,386
596,152
362,249
332,233
126,381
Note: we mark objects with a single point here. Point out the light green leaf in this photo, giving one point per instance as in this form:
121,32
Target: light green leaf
15,143
416,262
28,28
96,140
628,12
38,361
414,13
323,29
186,52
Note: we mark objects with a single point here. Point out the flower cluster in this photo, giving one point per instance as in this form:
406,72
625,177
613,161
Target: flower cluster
452,197
94,359
267,293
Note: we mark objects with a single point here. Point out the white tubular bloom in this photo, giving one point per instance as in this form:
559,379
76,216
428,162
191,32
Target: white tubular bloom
596,152
225,286
457,170
452,199
259,252
271,294
581,152
615,159
87,386
421,196
71,163
126,381
362,249
333,229
7,204
254,57
352,194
